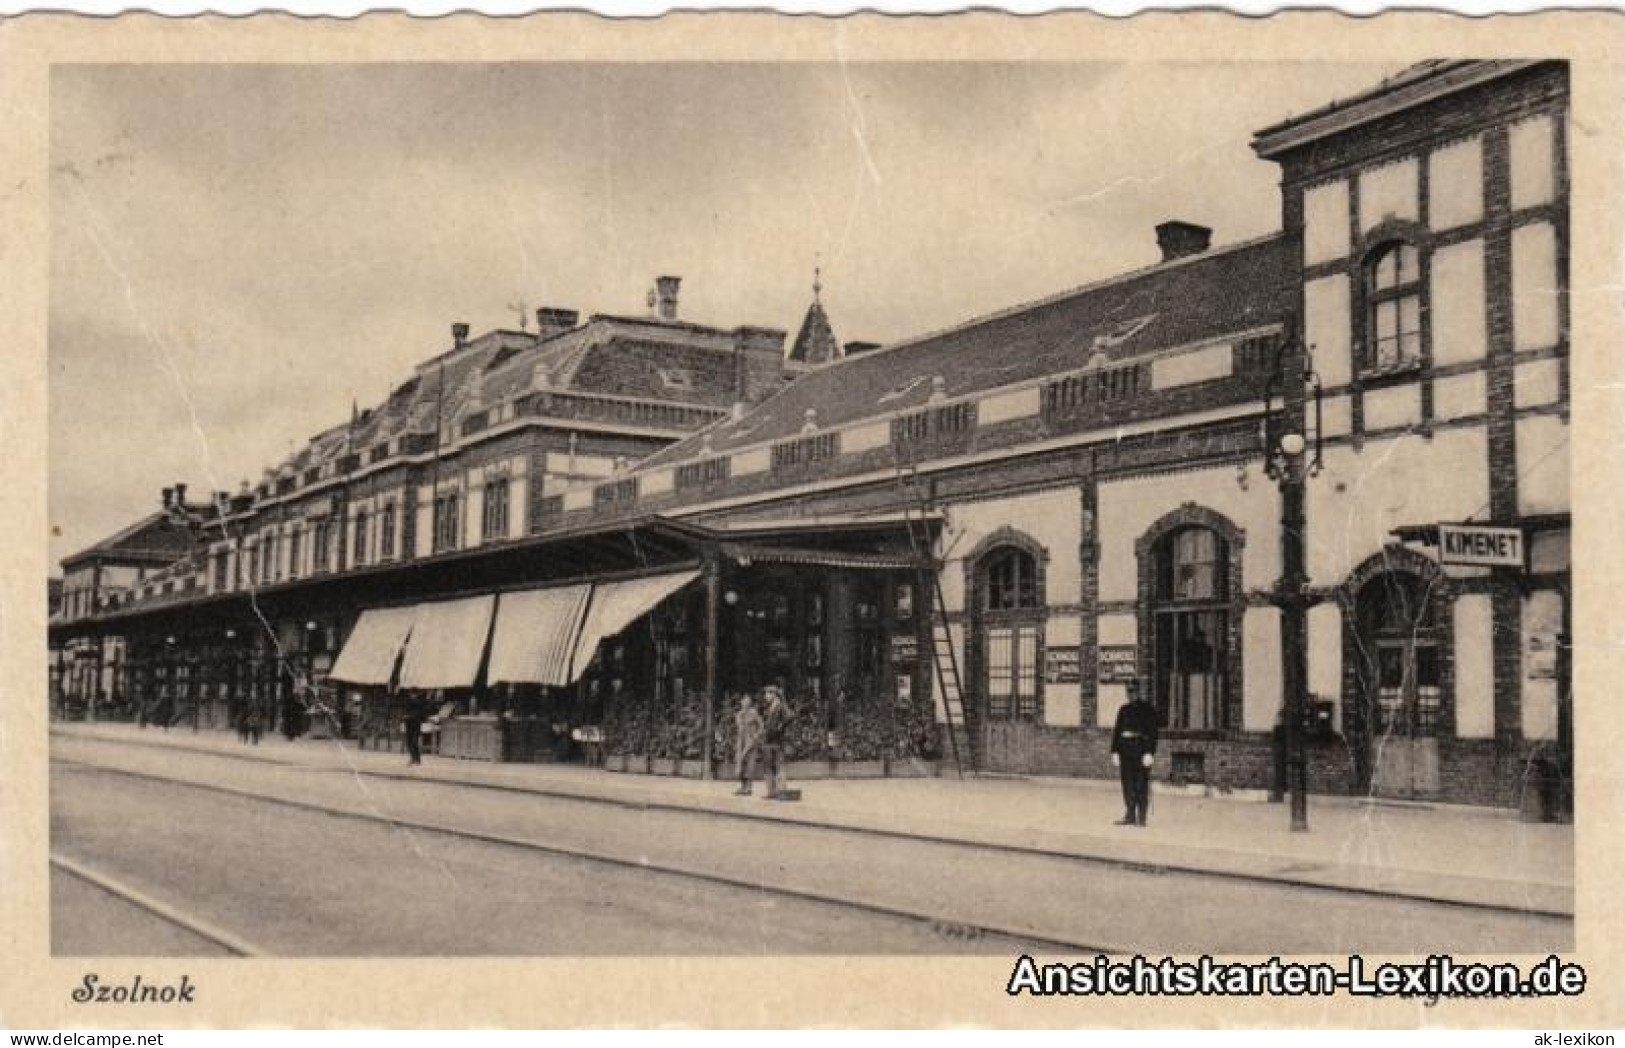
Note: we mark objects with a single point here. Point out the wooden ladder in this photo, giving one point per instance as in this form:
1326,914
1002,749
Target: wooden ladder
944,660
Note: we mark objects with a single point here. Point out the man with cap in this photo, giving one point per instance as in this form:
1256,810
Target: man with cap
1134,750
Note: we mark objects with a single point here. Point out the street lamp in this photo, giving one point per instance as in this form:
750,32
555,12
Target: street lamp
1287,462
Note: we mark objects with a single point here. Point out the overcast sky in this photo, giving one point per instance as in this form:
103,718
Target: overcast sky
238,251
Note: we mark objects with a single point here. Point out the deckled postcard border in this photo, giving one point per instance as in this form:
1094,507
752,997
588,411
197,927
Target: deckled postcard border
429,992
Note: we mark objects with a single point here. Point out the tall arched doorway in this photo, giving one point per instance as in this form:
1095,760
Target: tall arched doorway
1398,658
1007,620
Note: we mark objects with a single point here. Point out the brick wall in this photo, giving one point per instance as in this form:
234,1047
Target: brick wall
1473,771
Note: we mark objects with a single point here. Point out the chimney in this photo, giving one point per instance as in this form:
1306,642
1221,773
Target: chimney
169,497
666,297
1180,239
459,335
854,348
180,496
553,320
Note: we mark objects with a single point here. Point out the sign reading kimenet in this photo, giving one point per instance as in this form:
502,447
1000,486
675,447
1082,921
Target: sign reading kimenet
1481,546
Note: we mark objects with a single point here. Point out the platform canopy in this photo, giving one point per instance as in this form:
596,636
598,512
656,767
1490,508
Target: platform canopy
375,643
448,642
535,635
616,605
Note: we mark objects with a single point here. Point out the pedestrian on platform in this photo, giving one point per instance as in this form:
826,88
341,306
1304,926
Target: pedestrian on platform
749,726
290,713
1134,750
251,724
412,724
776,718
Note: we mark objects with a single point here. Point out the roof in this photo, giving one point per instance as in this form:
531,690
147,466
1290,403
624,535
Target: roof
1165,306
815,343
155,538
1412,86
601,357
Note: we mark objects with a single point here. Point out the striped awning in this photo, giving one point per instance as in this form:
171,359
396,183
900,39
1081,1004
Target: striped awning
448,642
370,652
535,634
616,605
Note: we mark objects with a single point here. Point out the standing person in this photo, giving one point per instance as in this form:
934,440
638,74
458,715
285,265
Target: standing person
776,717
412,724
749,725
290,712
251,723
1134,750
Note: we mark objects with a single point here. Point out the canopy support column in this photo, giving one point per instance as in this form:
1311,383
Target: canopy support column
713,676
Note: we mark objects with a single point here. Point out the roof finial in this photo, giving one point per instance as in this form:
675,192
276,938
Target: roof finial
818,277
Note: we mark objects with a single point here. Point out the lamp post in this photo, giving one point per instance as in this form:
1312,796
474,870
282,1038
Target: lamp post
1287,461
1291,597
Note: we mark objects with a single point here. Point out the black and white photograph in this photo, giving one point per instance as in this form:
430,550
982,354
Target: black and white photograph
684,510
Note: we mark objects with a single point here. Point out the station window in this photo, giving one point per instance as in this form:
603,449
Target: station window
1191,619
1393,308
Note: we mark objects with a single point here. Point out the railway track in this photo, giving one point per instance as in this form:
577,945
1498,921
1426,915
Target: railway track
944,924
232,944
1308,885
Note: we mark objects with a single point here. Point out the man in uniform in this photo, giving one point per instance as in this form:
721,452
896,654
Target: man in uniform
412,725
1134,750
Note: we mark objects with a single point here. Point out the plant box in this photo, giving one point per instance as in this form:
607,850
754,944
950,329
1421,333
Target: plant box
615,762
806,770
662,766
875,769
691,769
913,768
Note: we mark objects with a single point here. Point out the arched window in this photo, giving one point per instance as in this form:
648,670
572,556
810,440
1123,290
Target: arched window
322,545
359,554
1191,623
1010,620
1011,580
447,527
1393,307
386,532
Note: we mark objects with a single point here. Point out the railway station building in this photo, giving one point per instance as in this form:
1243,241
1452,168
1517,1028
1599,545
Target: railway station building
969,548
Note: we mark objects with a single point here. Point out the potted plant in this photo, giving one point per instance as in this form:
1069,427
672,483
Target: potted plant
863,742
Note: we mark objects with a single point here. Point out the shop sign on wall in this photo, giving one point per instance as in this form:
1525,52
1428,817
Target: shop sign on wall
1481,546
1061,665
1117,663
1540,661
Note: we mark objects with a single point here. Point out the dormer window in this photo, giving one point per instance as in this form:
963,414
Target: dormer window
1393,308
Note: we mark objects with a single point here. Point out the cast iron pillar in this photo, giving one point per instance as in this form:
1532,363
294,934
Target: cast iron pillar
713,652
1294,604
